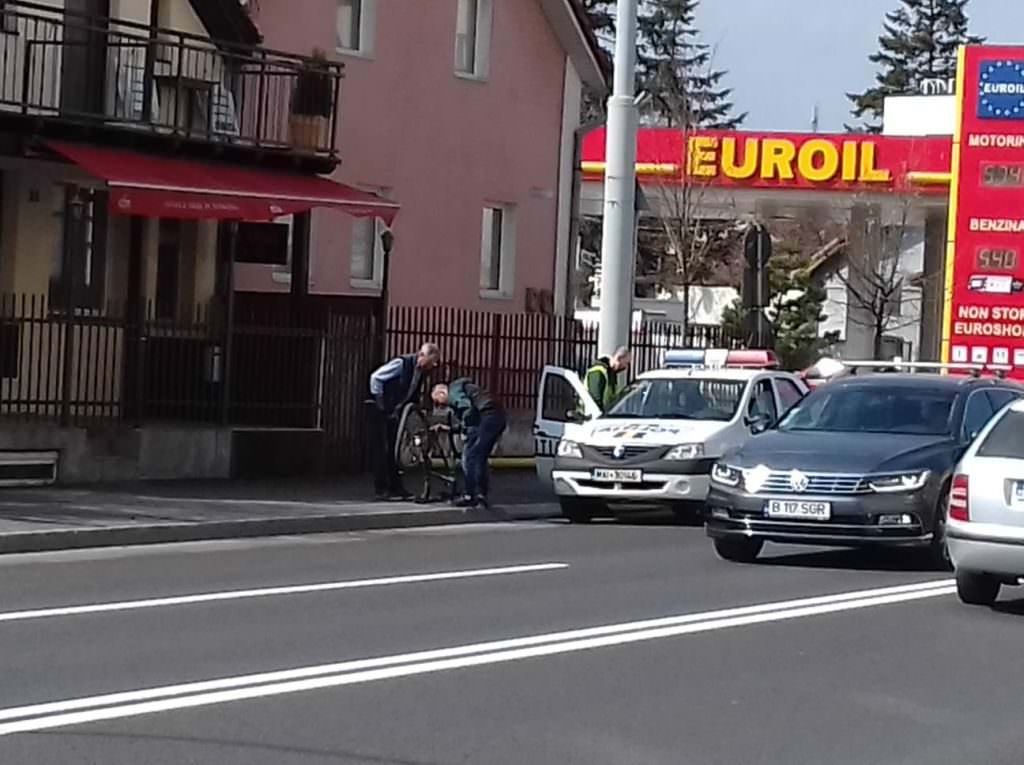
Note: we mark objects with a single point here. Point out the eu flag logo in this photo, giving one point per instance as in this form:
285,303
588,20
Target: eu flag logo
1001,90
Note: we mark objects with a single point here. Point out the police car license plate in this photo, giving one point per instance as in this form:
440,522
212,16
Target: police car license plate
617,476
798,510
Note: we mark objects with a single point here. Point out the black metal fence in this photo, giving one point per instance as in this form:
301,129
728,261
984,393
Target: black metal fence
56,64
280,367
506,352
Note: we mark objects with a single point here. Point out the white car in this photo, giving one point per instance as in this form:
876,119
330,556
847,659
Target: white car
985,524
657,444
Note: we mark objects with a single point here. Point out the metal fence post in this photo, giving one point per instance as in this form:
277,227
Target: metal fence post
72,223
495,370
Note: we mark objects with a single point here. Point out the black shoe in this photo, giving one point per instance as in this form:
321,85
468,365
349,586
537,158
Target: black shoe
400,496
467,502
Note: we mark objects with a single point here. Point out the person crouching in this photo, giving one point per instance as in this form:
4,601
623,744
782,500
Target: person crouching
483,421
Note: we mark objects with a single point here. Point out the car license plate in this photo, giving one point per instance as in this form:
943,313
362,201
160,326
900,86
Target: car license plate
617,476
786,509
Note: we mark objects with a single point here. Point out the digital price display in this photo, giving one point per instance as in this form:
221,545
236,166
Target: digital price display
996,260
1003,176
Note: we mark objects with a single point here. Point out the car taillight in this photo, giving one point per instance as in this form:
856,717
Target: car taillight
959,503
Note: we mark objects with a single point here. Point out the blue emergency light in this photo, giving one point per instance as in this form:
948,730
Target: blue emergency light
683,359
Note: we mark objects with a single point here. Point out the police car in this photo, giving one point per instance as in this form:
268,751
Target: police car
657,444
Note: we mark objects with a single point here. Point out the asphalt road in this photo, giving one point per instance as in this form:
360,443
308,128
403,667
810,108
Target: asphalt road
522,643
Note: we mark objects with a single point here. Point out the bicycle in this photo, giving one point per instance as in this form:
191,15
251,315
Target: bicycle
429,444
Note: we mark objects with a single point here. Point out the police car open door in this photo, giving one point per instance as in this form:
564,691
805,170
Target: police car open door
562,399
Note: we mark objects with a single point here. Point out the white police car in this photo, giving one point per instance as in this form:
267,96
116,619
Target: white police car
657,444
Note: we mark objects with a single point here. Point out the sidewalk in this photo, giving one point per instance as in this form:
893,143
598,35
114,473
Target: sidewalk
34,520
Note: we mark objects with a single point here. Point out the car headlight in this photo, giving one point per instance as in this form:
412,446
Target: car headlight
725,475
686,452
896,482
569,449
755,479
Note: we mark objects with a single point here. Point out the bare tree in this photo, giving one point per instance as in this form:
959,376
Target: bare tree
883,294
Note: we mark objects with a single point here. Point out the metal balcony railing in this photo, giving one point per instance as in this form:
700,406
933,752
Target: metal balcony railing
62,67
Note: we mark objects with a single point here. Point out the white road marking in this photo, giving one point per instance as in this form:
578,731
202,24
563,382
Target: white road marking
266,592
232,689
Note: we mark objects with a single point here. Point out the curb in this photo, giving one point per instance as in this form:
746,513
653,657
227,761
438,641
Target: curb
124,536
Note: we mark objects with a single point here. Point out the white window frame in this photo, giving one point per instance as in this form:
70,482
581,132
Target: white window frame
367,29
481,44
376,279
506,253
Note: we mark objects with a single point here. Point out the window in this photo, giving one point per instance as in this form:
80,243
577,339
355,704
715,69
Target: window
367,252
789,394
1006,439
87,238
1001,397
472,37
872,409
355,23
267,244
168,269
715,400
762,403
977,413
559,399
497,249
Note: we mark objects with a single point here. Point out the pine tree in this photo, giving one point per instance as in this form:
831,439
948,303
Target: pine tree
919,43
602,18
794,311
677,69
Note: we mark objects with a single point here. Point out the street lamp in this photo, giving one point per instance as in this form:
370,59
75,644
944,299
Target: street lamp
618,239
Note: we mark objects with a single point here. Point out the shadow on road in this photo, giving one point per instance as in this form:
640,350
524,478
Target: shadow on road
907,561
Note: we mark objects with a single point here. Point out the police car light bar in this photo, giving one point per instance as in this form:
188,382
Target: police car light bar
719,358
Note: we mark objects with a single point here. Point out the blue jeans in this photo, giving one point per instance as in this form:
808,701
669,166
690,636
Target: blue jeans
480,441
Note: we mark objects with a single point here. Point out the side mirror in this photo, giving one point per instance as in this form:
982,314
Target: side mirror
758,423
576,417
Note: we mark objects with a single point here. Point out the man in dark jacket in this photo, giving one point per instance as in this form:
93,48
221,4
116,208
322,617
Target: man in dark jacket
392,386
603,379
483,421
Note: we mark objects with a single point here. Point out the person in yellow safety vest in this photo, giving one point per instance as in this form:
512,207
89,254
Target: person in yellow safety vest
603,379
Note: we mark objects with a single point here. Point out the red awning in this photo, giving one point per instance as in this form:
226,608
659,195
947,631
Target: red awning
162,187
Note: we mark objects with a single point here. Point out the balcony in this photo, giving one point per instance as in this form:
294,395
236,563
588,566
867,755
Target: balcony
61,72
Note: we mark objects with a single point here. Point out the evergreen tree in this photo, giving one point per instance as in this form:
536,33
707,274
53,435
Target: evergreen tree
794,311
678,72
602,18
919,43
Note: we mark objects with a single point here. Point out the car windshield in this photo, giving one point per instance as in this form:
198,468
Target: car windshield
1006,439
872,409
682,399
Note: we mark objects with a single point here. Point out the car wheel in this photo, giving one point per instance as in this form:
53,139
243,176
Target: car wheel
577,510
938,550
977,589
738,550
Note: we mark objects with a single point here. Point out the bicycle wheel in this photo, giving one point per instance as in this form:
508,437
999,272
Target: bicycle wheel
411,441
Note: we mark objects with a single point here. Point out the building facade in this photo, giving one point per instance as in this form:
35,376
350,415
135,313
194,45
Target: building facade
465,112
149,149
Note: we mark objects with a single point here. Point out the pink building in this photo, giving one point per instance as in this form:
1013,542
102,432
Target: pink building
465,113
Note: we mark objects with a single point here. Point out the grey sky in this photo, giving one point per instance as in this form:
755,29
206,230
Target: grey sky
785,56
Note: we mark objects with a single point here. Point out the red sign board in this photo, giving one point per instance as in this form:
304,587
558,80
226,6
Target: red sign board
784,161
984,288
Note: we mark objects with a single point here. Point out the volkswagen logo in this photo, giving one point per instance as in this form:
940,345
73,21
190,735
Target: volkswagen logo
619,452
798,481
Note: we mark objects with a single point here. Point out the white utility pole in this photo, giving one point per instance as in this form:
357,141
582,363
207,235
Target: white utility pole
618,240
